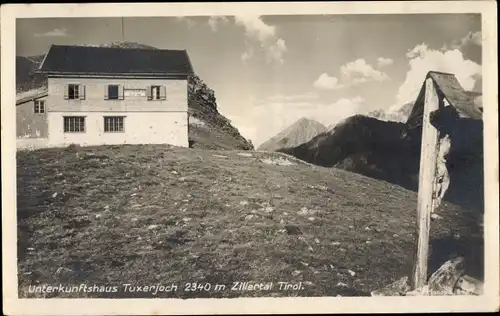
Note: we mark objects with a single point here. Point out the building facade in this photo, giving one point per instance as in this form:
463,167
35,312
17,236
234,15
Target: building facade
102,96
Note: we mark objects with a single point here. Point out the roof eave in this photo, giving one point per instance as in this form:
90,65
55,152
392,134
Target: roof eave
110,74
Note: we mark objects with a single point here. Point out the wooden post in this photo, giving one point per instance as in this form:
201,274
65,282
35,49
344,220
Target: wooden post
427,173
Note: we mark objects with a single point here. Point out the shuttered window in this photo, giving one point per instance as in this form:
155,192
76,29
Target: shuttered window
74,92
39,106
74,124
157,93
113,124
113,92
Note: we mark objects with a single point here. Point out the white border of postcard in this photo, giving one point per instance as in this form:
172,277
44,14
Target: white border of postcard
14,306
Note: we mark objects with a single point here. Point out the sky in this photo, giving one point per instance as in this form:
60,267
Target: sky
269,71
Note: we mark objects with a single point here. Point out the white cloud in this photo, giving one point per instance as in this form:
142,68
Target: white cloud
326,82
54,33
248,54
215,21
422,60
293,97
190,22
278,112
383,62
360,71
265,35
472,38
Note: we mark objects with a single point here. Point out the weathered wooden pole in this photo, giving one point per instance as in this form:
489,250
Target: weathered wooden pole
427,174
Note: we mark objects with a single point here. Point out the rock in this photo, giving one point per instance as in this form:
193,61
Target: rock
249,217
293,230
153,226
311,219
243,203
316,240
268,209
443,281
397,288
367,228
424,290
335,243
434,216
174,172
469,285
305,211
342,284
98,216
352,273
245,154
296,273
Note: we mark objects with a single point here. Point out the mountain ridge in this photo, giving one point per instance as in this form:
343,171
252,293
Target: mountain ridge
295,134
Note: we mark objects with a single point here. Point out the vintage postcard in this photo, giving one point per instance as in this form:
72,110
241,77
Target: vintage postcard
244,158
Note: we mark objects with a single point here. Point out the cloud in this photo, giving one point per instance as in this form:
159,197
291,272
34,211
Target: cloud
215,21
54,33
359,71
422,60
278,112
326,82
248,54
190,22
265,35
293,97
472,38
383,62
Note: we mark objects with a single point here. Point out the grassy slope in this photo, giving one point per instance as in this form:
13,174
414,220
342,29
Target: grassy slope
99,223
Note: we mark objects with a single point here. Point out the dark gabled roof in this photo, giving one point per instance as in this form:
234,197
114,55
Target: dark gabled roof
448,87
115,61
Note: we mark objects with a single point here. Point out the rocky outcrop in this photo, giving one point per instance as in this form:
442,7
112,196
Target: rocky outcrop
215,130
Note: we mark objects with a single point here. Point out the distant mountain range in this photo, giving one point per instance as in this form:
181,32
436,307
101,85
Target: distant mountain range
215,132
388,151
399,115
298,133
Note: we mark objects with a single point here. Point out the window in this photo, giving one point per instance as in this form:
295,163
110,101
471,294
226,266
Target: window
74,124
39,106
113,92
113,124
155,92
73,91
